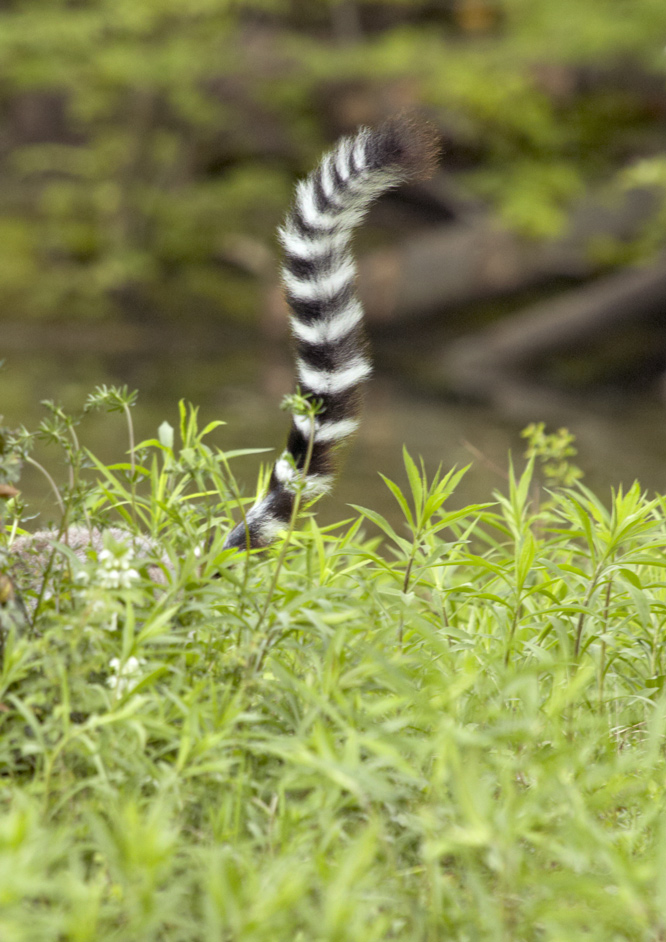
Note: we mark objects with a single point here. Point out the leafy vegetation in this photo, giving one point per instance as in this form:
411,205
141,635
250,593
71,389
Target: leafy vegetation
150,146
454,730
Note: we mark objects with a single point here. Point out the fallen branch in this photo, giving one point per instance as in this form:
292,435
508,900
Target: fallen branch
474,260
496,357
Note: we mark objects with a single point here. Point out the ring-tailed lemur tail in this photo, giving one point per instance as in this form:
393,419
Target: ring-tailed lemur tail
326,315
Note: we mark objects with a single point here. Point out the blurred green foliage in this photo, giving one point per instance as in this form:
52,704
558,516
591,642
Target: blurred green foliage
142,138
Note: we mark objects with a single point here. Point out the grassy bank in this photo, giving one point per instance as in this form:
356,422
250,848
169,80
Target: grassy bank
454,731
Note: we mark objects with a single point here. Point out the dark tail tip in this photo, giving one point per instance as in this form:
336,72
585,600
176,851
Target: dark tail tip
408,142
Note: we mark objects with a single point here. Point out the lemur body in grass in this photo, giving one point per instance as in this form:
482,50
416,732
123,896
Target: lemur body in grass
326,320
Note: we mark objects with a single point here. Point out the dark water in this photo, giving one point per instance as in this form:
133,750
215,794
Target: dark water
242,382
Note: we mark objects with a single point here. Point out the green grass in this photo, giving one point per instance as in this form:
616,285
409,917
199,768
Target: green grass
454,732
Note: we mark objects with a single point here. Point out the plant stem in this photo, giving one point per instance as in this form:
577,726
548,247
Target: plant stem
231,482
261,654
602,661
512,631
581,617
130,431
405,587
48,477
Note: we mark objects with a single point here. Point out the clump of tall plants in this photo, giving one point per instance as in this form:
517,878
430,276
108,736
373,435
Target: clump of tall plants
450,727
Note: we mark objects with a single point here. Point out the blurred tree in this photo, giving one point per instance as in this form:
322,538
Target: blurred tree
148,147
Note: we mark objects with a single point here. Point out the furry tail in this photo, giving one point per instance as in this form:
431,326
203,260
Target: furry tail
326,315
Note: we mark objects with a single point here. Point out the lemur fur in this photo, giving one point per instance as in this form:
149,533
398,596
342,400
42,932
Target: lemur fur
326,316
326,322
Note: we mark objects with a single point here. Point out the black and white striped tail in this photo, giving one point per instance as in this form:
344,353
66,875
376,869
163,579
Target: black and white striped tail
326,315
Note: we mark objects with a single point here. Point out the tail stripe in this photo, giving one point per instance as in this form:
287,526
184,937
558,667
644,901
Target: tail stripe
358,152
317,219
326,315
326,382
309,247
288,474
318,286
331,181
325,431
342,160
331,330
318,309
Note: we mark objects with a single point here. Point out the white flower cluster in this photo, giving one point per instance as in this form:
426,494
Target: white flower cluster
115,570
124,674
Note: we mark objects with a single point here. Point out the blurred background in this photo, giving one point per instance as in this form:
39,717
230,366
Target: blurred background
148,150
